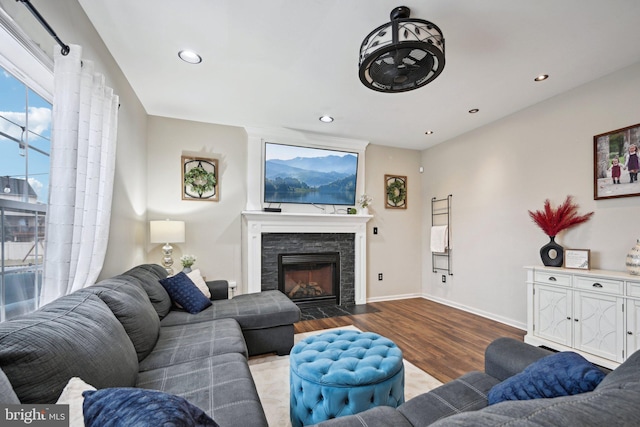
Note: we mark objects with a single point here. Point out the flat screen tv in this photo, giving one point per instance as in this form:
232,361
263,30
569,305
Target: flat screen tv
294,174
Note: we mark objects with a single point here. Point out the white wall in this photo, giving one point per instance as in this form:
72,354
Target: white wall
395,250
500,171
213,229
127,233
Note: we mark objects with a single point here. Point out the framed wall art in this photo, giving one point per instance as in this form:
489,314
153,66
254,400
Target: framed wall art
616,163
200,179
396,192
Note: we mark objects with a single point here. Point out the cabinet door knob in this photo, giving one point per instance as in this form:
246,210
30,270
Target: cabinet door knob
552,279
576,320
568,318
629,333
597,285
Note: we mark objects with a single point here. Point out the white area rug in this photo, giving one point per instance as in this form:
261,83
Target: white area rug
271,375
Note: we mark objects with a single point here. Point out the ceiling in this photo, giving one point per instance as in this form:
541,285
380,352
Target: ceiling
284,63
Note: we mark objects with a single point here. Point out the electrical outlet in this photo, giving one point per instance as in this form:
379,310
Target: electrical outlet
444,279
233,285
379,276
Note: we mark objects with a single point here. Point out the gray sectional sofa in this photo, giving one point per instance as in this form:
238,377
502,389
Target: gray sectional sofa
463,402
125,332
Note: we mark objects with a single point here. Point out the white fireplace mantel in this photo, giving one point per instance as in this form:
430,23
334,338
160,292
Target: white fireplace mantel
256,223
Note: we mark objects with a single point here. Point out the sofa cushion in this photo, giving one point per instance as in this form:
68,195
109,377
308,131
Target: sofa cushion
609,407
560,374
220,385
108,407
185,293
130,304
149,276
252,311
74,336
7,395
185,343
467,393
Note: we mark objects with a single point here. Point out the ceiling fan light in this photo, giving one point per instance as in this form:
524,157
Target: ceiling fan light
401,55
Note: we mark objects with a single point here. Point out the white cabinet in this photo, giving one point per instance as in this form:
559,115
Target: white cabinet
584,311
552,314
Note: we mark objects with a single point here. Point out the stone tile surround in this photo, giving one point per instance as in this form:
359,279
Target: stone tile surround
343,243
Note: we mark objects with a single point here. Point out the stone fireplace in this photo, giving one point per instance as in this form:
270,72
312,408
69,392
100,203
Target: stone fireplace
310,278
267,235
308,249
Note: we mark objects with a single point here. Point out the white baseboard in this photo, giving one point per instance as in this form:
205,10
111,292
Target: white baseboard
393,297
475,311
471,310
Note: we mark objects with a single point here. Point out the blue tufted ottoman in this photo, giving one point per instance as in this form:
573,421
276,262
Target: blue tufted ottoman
341,373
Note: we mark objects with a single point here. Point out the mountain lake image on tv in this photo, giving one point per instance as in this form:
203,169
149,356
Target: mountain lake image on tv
309,175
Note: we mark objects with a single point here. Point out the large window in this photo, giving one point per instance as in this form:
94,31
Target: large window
25,129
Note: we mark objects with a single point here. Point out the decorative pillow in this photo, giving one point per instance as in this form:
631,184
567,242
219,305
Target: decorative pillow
196,278
560,374
72,396
120,407
182,291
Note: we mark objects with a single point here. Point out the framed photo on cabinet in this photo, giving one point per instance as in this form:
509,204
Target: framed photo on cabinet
577,258
396,192
200,179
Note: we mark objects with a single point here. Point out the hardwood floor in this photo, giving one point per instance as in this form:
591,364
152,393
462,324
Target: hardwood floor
443,341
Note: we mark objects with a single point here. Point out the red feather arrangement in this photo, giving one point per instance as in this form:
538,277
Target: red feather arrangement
564,216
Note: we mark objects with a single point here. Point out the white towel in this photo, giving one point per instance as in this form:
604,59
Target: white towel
439,238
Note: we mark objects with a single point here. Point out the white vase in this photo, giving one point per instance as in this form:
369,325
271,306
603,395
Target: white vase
633,259
186,270
364,211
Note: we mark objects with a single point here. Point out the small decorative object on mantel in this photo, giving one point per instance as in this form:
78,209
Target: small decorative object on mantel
364,201
187,261
633,259
552,221
396,189
200,179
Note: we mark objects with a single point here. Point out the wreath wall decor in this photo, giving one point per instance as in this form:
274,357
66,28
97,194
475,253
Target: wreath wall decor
395,188
200,180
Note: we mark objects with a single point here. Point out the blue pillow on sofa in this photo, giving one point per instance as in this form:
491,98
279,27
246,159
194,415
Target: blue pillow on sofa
120,407
184,292
559,374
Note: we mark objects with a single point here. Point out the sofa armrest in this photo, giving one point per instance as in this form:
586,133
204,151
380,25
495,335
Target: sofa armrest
219,289
506,357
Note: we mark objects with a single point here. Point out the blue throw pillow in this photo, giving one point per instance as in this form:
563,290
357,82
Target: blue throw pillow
560,374
184,292
134,407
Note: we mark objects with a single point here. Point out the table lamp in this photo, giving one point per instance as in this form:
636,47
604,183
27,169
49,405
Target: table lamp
166,232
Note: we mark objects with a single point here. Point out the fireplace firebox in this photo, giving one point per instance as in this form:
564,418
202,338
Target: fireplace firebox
310,278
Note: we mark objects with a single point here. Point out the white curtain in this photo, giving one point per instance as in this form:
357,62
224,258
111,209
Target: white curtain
83,150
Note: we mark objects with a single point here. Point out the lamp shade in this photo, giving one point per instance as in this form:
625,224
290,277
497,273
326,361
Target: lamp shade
166,231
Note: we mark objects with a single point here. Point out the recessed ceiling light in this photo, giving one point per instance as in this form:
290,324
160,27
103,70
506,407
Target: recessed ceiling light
541,77
190,56
429,132
326,119
473,110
